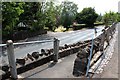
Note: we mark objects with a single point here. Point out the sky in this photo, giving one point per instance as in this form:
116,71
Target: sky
101,6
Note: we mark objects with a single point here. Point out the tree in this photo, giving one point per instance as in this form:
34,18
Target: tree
99,18
118,17
50,15
39,15
87,16
58,11
110,17
10,16
29,16
68,14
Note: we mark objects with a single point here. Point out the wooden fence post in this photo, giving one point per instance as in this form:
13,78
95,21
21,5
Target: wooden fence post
11,59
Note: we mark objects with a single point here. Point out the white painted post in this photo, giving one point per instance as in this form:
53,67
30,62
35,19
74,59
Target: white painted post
11,58
56,49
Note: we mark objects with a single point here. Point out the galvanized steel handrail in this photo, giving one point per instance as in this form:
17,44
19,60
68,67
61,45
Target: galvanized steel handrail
89,59
31,42
108,31
2,45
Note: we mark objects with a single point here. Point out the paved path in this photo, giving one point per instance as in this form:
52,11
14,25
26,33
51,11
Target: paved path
119,50
63,69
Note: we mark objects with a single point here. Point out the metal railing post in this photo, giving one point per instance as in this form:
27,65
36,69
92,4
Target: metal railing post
56,49
11,58
89,58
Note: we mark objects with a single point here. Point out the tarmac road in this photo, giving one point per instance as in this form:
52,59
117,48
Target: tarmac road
65,38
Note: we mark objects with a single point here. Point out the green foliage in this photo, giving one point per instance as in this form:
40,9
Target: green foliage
40,15
50,15
37,15
10,16
87,16
11,12
58,12
118,17
68,14
110,17
29,16
99,18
